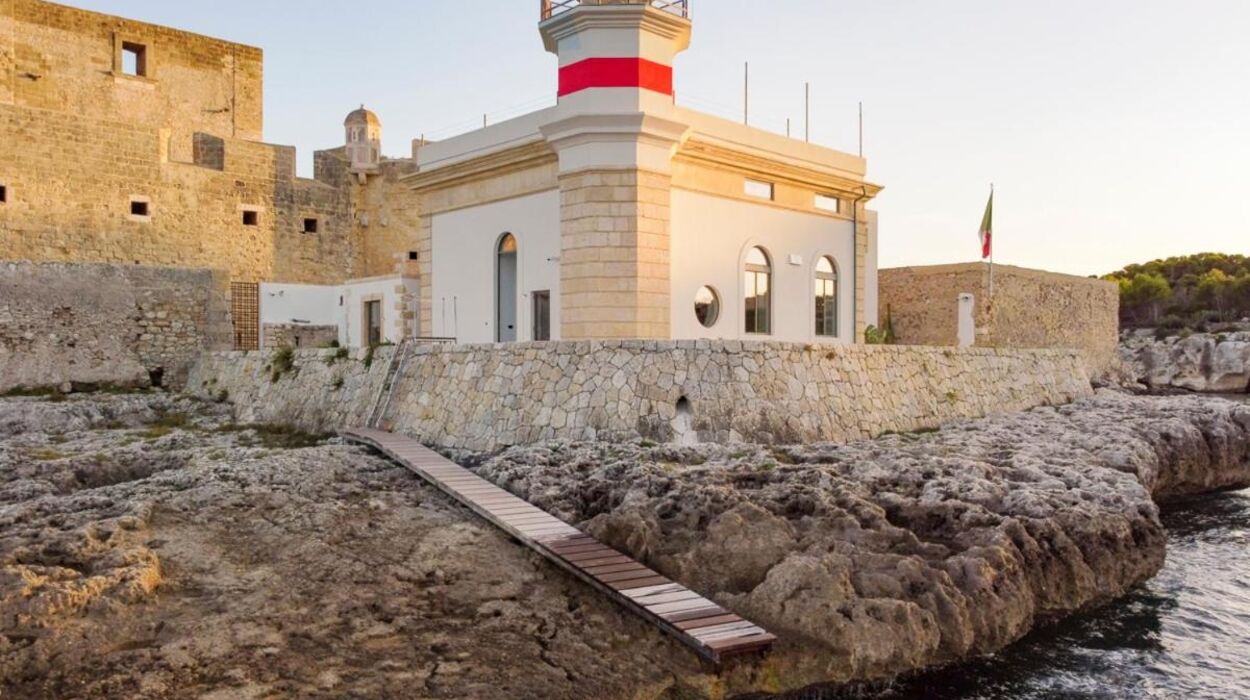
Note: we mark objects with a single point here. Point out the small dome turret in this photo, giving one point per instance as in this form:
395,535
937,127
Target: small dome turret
362,117
364,140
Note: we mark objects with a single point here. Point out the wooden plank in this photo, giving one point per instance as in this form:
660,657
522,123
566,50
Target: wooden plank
621,573
650,580
729,629
701,624
644,591
604,561
707,622
694,614
577,548
630,578
598,552
672,597
681,606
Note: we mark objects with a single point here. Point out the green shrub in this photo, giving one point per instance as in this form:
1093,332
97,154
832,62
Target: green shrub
1172,322
46,455
340,354
283,361
21,391
274,436
156,432
172,419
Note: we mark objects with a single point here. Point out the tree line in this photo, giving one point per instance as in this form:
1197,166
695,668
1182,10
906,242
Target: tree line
1192,291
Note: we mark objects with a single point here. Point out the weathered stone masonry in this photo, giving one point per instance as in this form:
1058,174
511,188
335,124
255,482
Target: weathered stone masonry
1031,309
107,324
486,397
80,139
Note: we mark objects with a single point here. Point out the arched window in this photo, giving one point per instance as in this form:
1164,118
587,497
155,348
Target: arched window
759,292
505,289
826,298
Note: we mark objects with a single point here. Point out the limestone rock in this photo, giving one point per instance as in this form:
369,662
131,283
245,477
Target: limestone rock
1203,362
875,558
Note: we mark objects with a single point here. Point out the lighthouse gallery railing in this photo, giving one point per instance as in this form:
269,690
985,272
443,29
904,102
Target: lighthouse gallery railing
551,8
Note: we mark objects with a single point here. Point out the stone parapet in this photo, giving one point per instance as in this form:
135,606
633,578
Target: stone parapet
484,397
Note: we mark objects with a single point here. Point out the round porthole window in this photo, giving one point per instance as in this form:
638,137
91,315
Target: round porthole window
707,306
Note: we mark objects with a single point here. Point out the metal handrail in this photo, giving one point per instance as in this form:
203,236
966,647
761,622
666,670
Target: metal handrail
551,8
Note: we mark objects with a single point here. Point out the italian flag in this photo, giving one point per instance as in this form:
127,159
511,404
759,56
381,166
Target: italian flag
987,229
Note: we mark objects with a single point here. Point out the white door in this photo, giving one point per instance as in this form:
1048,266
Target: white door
967,320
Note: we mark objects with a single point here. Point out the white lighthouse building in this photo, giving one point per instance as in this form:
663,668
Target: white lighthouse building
618,213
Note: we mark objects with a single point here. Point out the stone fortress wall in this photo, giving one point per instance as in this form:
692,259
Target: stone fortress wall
486,397
115,325
80,138
1031,309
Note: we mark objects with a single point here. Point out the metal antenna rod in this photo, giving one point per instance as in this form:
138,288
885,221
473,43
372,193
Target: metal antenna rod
861,129
746,92
806,111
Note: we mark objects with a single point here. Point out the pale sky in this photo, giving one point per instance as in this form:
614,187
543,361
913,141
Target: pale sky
1115,131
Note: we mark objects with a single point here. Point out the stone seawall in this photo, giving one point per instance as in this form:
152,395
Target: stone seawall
107,324
488,397
324,390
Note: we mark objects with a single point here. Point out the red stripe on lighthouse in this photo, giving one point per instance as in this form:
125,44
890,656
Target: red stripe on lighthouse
616,73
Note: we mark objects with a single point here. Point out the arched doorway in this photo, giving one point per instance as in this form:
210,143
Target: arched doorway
505,289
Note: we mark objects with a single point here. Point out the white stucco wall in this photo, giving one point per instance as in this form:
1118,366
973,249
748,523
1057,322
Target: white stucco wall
710,239
305,304
391,290
313,304
465,245
339,305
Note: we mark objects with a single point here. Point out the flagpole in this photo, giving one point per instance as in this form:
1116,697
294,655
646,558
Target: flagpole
991,305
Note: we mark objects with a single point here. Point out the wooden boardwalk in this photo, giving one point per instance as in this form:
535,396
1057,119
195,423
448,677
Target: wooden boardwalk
712,631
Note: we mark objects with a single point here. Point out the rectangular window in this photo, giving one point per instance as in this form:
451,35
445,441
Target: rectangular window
134,58
251,217
826,308
758,302
311,225
140,208
828,203
758,188
412,255
542,315
4,194
373,323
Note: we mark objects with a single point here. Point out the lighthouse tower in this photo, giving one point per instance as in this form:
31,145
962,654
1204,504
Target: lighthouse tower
615,134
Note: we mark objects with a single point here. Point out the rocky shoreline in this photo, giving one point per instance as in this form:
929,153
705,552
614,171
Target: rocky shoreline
1201,362
882,557
150,548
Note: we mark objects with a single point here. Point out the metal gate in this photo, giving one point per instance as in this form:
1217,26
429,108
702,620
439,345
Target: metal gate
245,314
